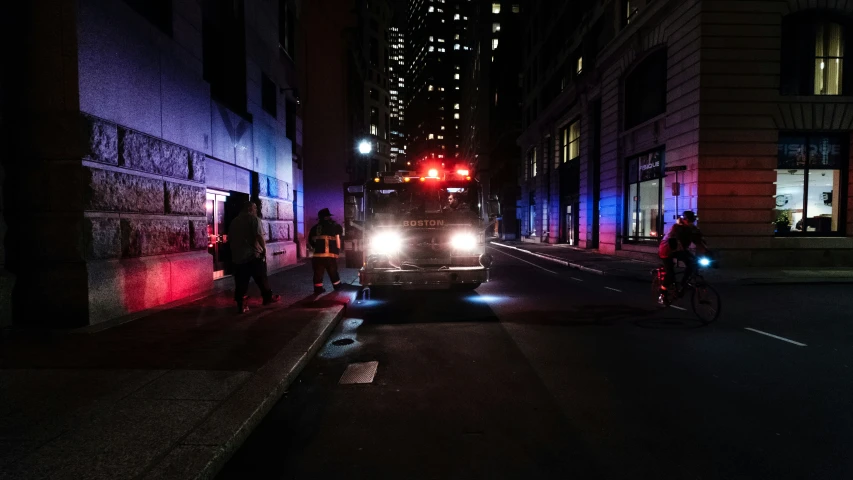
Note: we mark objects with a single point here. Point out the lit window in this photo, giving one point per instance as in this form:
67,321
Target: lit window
456,37
496,27
456,46
456,17
456,116
456,106
811,174
441,40
494,43
431,9
374,129
440,137
580,65
431,136
456,76
571,141
430,88
829,49
442,127
496,8
431,38
516,8
431,48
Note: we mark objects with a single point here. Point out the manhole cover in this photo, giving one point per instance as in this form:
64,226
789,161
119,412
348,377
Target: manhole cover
343,341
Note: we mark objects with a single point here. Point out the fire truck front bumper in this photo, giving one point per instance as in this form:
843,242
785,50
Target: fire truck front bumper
424,278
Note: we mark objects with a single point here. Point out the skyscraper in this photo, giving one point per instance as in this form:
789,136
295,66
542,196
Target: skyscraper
491,99
437,52
397,91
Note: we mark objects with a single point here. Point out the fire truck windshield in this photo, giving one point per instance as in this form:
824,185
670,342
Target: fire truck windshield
407,199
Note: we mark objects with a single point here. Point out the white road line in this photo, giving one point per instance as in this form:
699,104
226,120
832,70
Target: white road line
777,337
577,279
614,289
678,308
525,261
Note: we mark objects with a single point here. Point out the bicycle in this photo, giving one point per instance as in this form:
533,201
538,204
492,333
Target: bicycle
704,299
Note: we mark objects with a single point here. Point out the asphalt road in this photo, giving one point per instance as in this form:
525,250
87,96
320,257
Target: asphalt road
548,372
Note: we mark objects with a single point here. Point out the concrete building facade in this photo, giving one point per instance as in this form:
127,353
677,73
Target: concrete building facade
635,111
139,129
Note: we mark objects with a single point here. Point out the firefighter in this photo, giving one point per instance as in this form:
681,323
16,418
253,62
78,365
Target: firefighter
324,240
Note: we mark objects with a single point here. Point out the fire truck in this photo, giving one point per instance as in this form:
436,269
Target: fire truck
419,230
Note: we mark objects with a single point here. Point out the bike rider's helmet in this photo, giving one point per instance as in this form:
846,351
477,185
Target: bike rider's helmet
688,215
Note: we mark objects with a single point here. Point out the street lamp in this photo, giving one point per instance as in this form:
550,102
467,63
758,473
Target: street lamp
365,147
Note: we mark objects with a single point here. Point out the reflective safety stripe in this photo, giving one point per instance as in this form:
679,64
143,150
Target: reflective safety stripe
337,283
318,284
325,255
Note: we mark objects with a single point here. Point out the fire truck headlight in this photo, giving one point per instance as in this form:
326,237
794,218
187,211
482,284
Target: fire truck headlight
464,241
386,243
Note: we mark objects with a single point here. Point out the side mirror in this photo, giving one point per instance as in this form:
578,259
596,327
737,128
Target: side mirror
493,208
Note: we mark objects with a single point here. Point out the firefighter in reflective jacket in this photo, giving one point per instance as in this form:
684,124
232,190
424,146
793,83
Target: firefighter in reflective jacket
325,241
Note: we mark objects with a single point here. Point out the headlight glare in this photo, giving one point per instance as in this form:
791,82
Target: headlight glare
385,243
463,241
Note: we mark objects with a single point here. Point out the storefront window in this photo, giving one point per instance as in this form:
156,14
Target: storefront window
810,184
644,212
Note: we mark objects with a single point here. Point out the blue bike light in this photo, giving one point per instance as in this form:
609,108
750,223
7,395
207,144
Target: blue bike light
704,262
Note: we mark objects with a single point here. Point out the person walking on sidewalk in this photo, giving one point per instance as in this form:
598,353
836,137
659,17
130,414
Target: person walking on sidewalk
325,241
248,253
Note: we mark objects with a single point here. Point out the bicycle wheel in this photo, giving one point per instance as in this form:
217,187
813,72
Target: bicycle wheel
706,302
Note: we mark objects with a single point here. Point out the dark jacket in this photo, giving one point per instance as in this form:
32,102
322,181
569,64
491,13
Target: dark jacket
324,239
679,238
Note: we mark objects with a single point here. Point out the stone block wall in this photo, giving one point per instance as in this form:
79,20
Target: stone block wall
276,199
144,210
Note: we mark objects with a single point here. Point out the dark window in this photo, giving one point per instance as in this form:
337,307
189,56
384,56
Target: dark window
811,184
290,120
813,48
387,126
374,25
645,90
374,52
286,26
224,52
374,94
644,212
158,12
268,96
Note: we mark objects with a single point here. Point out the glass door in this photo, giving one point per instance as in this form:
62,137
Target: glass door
216,230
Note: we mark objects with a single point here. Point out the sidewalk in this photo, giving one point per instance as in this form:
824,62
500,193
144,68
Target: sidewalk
169,395
601,264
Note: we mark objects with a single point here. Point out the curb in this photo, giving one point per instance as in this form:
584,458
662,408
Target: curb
203,452
550,258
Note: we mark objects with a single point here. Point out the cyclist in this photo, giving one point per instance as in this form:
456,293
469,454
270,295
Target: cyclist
675,246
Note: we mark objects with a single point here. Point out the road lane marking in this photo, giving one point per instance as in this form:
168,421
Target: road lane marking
525,261
578,279
777,337
614,289
678,308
